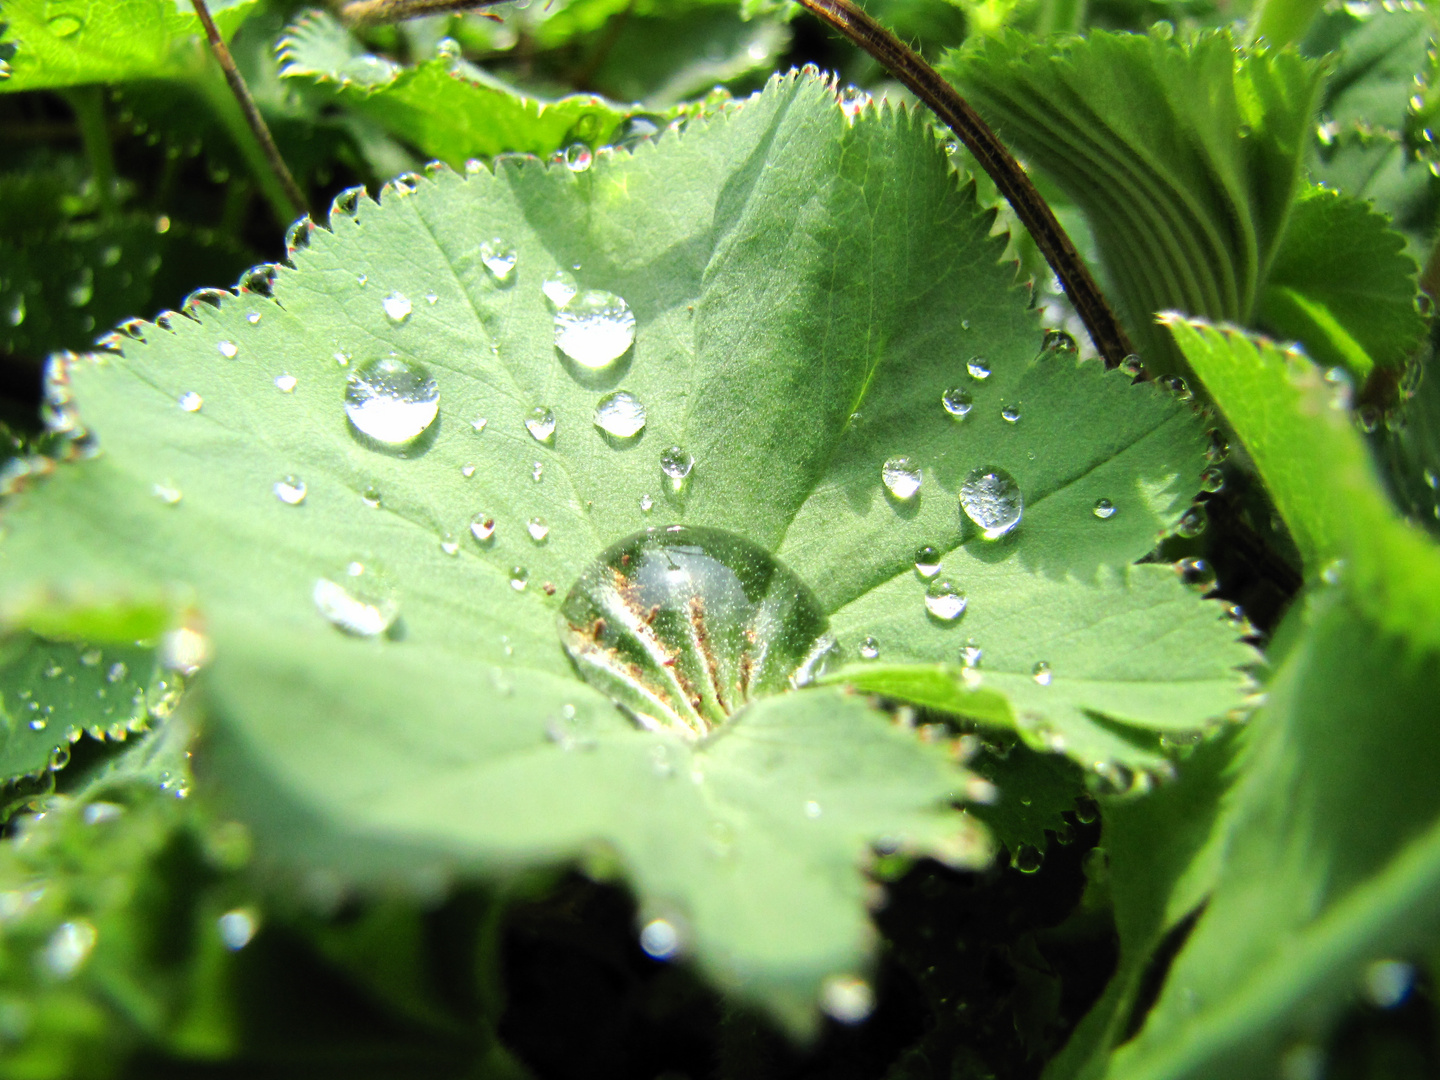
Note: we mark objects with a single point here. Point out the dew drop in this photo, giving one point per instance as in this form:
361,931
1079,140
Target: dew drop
540,423
360,600
1027,859
537,470
594,329
991,499
449,544
169,494
659,939
1192,524
1103,509
978,367
371,497
1133,366
286,383
944,600
1217,447
291,490
63,26
1041,673
72,942
683,626
559,288
1212,480
812,809
957,401
391,401
190,401
342,359
37,724
1059,343
620,414
15,315
1010,414
253,317
869,648
500,259
479,424
468,469
577,157
847,998
971,654
677,463
646,503
397,307
237,928
1388,983
1196,574
519,578
537,529
901,477
927,561
228,349
482,527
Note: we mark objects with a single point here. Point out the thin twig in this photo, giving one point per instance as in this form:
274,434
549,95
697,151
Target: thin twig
369,12
247,106
926,84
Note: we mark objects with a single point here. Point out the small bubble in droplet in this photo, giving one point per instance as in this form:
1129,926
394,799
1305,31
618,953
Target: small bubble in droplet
978,367
286,383
1212,480
901,477
291,490
1041,673
482,527
659,939
540,423
391,401
594,329
991,499
519,578
957,401
397,307
869,648
620,414
361,600
927,561
499,259
848,999
537,529
190,401
1010,414
1103,509
944,600
228,349
676,463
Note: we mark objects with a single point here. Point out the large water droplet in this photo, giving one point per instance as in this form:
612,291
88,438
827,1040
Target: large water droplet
944,600
682,626
594,329
577,157
991,499
957,401
620,414
978,367
391,401
500,259
291,490
540,423
397,307
361,600
676,463
901,477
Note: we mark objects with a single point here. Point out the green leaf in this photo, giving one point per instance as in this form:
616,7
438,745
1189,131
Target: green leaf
1187,194
76,42
1374,57
448,109
1342,284
1332,863
1033,792
758,251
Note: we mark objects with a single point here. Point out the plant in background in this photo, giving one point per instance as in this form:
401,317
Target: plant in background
660,546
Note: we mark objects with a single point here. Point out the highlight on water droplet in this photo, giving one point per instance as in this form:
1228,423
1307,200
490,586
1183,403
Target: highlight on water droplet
291,490
1010,414
957,401
901,477
847,998
594,329
1196,574
228,349
620,414
286,383
167,493
676,463
944,600
1388,983
1041,673
391,401
927,561
397,307
190,401
237,928
559,288
70,945
869,648
978,367
1103,509
991,499
540,423
360,600
500,259
660,939
537,529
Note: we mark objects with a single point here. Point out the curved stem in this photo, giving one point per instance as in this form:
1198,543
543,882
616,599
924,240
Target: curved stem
365,12
925,83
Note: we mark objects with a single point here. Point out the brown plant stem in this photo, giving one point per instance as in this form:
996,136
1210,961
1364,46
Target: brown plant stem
368,12
1034,213
252,115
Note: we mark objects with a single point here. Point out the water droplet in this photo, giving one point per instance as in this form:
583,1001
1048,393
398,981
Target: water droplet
677,463
397,307
682,626
559,288
237,928
540,423
1212,480
391,401
944,600
90,657
847,998
1010,414
927,561
449,545
71,943
482,527
361,600
167,493
869,648
978,367
519,578
16,313
1196,573
468,469
190,401
901,477
991,499
1059,343
291,490
1104,509
537,529
479,424
1133,366
228,349
646,503
957,401
1041,673
500,259
342,359
1027,859
347,203
971,654
659,939
537,470
812,809
577,157
64,26
253,317
431,298
620,414
1217,447
1388,983
286,383
1192,524
594,329
1177,386
362,280
371,497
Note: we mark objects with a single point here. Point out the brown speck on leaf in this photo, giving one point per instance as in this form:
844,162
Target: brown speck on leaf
549,588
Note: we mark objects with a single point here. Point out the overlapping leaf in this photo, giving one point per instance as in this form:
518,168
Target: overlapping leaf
805,290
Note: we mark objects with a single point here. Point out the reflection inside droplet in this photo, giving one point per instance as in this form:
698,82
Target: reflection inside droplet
391,401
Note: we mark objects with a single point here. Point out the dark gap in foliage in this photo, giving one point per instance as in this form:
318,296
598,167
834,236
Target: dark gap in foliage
1152,981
